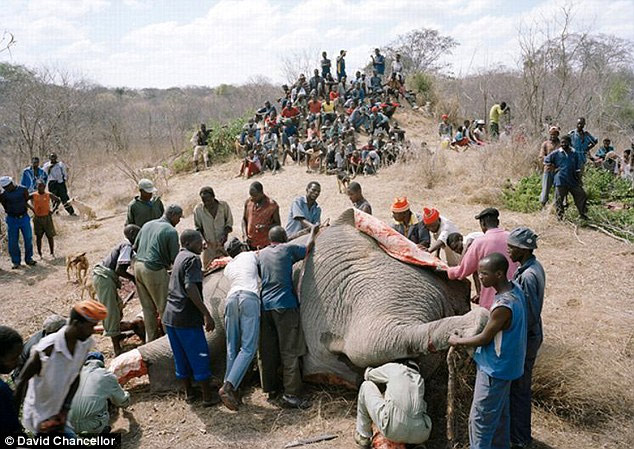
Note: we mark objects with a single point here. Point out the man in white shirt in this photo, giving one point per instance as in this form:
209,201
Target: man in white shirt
52,372
400,413
57,173
440,227
242,319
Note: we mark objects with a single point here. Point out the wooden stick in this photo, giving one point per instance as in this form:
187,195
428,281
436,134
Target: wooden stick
608,233
451,395
316,439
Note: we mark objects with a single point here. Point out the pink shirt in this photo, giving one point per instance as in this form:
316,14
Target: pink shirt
493,241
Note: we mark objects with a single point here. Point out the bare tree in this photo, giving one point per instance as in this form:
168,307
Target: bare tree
420,50
300,61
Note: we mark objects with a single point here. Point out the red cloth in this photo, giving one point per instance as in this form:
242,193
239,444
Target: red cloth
393,243
128,366
290,112
314,106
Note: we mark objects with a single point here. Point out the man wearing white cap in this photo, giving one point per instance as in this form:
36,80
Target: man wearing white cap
146,206
15,199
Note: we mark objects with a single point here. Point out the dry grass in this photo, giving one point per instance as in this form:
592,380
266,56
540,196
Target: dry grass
583,377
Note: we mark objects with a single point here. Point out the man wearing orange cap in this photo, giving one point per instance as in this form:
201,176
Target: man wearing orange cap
51,376
440,227
409,224
445,130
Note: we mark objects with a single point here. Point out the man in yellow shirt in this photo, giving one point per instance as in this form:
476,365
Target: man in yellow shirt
494,119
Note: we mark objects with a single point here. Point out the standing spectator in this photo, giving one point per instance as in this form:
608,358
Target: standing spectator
304,211
493,241
499,356
260,215
105,279
445,130
440,227
11,345
57,173
568,165
548,177
43,217
146,206
186,318
378,62
325,65
282,341
582,141
200,141
397,68
50,378
357,199
496,112
98,388
532,279
341,67
31,175
15,199
242,320
409,224
156,248
213,219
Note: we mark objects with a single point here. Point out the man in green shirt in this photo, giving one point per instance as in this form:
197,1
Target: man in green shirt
146,206
156,247
494,119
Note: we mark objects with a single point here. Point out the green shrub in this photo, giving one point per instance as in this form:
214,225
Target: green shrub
423,84
602,189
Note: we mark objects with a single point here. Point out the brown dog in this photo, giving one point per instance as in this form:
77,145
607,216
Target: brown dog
79,263
343,180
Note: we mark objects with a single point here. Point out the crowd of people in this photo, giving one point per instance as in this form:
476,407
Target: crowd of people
319,119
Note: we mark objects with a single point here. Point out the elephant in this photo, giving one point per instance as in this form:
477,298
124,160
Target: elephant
359,307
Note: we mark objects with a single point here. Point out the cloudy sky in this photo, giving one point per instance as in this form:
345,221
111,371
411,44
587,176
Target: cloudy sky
164,43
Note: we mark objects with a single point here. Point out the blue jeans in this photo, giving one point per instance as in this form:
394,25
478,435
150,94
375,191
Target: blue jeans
547,184
14,226
489,423
242,326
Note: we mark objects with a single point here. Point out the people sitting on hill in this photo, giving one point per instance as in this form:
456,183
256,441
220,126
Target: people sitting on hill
460,139
602,152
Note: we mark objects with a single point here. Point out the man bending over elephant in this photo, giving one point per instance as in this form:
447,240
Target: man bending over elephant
401,413
281,336
304,212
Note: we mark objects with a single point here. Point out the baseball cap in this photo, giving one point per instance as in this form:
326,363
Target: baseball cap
147,186
488,211
522,237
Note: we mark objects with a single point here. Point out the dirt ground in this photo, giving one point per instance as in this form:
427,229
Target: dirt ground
584,375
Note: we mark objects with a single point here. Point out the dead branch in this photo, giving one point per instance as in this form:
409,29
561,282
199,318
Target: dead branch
608,233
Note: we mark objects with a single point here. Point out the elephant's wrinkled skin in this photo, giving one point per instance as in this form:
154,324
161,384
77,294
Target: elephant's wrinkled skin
359,307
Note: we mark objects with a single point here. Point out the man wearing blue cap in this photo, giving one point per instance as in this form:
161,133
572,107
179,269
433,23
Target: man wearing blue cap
15,199
531,277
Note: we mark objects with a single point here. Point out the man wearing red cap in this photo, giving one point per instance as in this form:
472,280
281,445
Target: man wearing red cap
52,372
440,227
493,241
409,224
445,130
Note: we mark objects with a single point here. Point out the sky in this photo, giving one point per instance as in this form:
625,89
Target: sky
175,43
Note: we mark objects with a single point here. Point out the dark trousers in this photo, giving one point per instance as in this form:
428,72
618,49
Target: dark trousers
521,405
281,345
578,194
59,189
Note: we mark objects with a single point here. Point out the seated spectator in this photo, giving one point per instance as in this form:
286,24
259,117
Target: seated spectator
603,151
627,168
460,139
328,111
371,163
98,388
379,121
251,164
612,163
479,133
445,130
376,83
409,224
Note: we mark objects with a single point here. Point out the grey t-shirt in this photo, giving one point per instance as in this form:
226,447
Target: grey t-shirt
180,311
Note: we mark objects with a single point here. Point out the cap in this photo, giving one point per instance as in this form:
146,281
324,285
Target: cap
147,186
522,237
91,310
430,215
479,122
488,211
95,355
53,323
400,204
5,181
444,116
375,109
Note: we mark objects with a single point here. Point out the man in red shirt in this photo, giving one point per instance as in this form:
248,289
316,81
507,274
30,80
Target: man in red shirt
260,214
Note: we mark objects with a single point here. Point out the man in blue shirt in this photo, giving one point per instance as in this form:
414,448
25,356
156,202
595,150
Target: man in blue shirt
581,140
15,199
567,163
499,356
304,211
341,67
531,278
378,62
31,175
325,64
281,338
